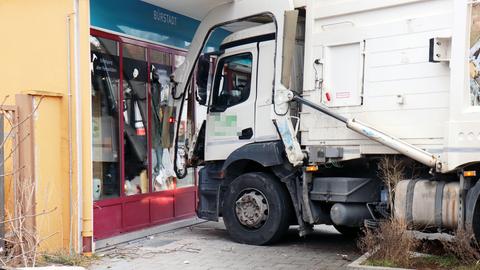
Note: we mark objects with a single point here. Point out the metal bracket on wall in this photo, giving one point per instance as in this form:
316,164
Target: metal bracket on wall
440,49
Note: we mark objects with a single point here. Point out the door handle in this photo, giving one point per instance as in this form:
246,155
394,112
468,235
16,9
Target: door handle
246,134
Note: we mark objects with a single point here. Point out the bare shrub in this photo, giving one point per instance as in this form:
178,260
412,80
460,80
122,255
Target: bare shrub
21,240
391,170
390,243
463,246
20,234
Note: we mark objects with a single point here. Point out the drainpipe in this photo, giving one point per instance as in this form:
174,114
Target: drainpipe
84,195
70,136
78,127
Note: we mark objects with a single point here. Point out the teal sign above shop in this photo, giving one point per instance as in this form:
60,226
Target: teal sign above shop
146,21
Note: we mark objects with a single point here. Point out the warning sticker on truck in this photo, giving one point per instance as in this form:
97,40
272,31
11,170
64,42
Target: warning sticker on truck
223,125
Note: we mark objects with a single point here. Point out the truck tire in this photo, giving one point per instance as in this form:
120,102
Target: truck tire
348,232
256,209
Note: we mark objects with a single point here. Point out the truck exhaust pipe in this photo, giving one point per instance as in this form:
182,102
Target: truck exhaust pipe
392,142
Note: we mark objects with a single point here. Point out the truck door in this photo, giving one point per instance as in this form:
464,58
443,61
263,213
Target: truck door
231,114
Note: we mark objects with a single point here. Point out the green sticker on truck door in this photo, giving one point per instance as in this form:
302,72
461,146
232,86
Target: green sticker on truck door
223,125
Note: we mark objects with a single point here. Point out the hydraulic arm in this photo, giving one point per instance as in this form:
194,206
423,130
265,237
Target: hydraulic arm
396,144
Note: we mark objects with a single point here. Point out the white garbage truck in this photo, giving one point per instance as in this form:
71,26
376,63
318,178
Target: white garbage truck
303,101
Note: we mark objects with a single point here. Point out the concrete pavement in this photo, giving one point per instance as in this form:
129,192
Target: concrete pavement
207,246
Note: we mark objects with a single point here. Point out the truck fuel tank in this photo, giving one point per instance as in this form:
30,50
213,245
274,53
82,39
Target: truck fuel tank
427,204
351,215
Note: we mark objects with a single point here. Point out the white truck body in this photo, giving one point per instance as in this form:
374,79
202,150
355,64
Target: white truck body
375,66
297,121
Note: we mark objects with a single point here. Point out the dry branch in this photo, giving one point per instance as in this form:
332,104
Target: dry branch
21,240
389,242
391,171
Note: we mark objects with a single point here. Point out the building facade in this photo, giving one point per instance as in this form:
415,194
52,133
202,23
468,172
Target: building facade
96,74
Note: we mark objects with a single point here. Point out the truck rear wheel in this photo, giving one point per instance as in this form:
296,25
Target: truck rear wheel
256,209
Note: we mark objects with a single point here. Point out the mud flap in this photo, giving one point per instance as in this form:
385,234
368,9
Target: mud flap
472,210
291,177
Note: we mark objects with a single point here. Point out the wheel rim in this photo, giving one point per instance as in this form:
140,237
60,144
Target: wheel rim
251,209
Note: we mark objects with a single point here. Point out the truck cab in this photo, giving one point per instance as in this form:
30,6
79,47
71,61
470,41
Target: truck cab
240,98
241,142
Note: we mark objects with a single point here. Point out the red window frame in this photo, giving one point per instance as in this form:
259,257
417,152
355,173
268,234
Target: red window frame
179,210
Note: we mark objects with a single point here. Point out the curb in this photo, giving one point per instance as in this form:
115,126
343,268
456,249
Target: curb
357,264
53,268
105,244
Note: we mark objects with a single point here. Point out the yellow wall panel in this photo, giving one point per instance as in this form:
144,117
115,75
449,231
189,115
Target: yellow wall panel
33,58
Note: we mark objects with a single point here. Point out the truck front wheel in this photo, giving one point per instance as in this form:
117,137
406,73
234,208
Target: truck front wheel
256,209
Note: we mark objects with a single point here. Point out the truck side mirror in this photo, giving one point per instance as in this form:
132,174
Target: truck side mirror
203,69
